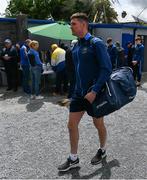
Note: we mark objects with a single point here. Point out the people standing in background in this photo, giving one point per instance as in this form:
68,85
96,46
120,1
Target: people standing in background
17,46
130,53
70,68
121,60
25,65
112,51
48,57
36,69
63,46
9,57
138,60
58,66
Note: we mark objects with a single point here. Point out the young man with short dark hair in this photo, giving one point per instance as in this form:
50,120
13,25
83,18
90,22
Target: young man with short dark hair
92,68
112,51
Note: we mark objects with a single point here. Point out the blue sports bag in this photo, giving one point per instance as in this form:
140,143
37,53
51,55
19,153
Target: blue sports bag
119,90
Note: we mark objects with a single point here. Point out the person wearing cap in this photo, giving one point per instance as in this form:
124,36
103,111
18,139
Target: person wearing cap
9,57
138,60
112,51
92,69
25,65
58,66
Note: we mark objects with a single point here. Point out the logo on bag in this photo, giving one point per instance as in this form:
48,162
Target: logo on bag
102,104
131,97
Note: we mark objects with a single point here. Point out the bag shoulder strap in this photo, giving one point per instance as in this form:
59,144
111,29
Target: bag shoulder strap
93,40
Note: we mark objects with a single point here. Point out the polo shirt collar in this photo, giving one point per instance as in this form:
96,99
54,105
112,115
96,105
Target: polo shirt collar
87,36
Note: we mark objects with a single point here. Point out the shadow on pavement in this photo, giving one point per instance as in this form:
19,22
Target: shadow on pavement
105,171
8,95
34,105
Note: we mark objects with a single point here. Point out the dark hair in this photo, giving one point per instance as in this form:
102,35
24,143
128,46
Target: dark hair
138,38
117,43
109,40
81,16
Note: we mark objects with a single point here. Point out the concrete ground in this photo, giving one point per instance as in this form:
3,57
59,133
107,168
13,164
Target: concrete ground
34,140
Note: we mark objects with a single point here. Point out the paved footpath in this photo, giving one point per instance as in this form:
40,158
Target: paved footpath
34,140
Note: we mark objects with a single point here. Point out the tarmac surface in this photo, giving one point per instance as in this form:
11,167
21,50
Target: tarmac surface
34,140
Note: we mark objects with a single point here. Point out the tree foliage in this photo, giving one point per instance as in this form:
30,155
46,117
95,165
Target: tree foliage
97,10
36,9
104,13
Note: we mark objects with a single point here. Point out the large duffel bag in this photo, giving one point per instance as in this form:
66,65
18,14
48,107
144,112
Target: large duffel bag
119,90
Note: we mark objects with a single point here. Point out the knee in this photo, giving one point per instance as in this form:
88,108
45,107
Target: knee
99,123
72,126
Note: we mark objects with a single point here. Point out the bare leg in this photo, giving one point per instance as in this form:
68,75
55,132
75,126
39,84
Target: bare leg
74,119
102,133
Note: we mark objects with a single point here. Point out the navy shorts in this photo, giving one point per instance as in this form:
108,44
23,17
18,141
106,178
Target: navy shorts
79,104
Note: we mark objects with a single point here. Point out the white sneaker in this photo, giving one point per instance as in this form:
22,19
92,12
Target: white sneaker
39,97
33,97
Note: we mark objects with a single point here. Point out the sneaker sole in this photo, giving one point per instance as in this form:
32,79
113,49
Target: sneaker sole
72,166
99,161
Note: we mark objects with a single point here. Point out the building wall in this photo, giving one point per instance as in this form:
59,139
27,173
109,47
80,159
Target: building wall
115,33
141,32
7,30
145,55
104,33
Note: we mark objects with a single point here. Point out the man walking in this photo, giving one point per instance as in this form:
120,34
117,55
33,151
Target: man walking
92,68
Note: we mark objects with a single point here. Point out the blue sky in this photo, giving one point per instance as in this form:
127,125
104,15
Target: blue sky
132,7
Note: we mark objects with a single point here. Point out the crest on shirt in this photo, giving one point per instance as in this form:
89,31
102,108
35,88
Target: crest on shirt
84,50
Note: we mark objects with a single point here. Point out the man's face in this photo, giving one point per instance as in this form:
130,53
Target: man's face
8,45
77,27
109,43
36,46
138,41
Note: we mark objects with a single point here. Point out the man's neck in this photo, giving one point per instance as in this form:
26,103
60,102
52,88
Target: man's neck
83,34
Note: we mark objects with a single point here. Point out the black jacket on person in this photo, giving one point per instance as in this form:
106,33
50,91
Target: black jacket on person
69,61
11,67
10,52
131,51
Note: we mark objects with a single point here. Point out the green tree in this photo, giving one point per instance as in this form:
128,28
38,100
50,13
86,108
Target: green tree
97,10
103,12
37,9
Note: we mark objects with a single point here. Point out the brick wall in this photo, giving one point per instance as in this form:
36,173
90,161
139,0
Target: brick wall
7,30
